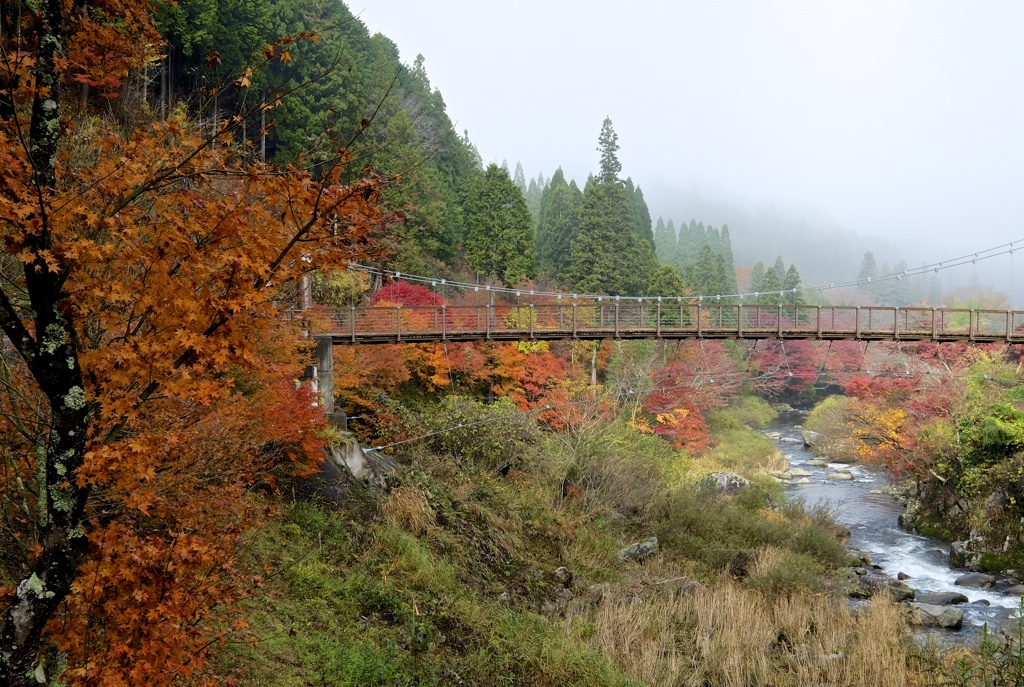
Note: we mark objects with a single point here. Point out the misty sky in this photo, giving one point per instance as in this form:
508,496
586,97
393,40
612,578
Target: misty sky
897,119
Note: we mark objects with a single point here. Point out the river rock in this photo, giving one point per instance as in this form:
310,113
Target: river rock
840,476
941,598
810,438
803,480
790,440
773,435
782,474
938,616
873,584
975,580
815,463
724,483
799,472
903,576
1015,590
640,551
963,554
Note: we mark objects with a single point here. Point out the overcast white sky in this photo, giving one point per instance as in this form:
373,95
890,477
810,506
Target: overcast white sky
897,118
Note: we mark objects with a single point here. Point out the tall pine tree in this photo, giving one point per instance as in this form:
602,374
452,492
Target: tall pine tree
559,218
500,239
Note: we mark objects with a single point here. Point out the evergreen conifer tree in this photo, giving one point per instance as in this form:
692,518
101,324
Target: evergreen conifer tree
726,242
789,283
664,246
770,287
757,278
640,211
500,241
608,146
559,219
606,254
519,178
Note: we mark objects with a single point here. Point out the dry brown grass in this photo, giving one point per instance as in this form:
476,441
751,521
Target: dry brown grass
408,508
731,636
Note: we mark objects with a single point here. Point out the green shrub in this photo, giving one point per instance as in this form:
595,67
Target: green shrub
829,412
751,411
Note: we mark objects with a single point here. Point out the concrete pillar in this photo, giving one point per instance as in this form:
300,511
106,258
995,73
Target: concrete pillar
325,372
306,292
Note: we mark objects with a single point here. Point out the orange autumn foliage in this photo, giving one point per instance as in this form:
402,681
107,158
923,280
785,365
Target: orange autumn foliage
149,372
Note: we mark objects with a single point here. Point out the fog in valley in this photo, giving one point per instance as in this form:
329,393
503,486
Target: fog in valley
816,131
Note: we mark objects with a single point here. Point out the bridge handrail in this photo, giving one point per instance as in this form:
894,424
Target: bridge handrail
656,319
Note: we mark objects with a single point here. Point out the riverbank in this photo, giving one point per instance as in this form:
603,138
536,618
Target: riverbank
867,507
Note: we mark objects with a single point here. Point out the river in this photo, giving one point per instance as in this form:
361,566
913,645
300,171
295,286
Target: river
871,517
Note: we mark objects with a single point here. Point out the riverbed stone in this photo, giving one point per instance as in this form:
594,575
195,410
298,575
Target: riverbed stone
840,476
903,576
938,616
799,472
724,483
810,438
816,463
964,554
782,474
975,580
1015,590
874,584
803,480
941,598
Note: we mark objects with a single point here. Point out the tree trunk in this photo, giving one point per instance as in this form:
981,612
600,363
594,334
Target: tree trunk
52,358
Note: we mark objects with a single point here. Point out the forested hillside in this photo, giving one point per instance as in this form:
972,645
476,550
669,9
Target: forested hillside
186,190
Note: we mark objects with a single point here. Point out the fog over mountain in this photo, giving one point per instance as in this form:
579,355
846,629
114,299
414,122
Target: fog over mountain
896,121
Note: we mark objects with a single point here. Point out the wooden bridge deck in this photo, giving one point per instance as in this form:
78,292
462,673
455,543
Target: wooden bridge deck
657,320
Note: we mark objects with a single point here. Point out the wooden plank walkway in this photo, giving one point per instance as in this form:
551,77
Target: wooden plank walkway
665,320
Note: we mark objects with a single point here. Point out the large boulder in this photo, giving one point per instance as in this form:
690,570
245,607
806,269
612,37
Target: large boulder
941,598
840,476
810,438
874,584
931,615
975,580
965,554
724,483
640,551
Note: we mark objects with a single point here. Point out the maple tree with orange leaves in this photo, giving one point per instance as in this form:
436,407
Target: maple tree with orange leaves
146,369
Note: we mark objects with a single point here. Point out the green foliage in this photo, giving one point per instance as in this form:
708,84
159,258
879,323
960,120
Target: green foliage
488,437
723,533
666,282
501,230
823,412
557,224
991,435
608,146
606,254
641,213
751,411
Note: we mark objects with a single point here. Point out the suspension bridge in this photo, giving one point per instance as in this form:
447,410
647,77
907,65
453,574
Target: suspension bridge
612,318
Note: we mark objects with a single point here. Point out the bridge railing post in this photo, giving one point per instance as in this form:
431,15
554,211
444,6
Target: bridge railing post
487,318
398,322
778,321
700,324
532,318
896,323
444,322
857,330
574,320
616,317
352,325
935,330
818,317
658,317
